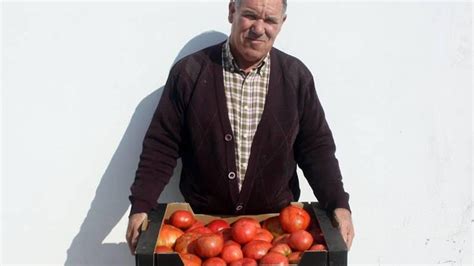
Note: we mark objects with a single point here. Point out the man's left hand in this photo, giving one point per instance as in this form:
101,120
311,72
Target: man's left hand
344,219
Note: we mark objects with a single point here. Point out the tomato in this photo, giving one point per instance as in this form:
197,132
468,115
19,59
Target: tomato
281,248
249,219
294,218
231,242
318,247
231,252
281,239
256,249
187,242
162,249
190,259
295,257
274,259
182,219
244,230
195,225
244,262
217,225
209,245
214,261
273,225
263,234
168,235
201,230
300,240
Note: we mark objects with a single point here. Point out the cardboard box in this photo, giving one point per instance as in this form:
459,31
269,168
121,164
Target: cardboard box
336,255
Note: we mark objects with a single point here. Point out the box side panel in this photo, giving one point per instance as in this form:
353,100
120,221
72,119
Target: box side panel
147,239
171,259
337,247
313,258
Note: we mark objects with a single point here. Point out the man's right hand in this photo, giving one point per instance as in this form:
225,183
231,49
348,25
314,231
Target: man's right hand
135,221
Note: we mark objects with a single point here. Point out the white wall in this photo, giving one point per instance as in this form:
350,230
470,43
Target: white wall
81,80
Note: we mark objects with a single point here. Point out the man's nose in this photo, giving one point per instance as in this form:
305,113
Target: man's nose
258,28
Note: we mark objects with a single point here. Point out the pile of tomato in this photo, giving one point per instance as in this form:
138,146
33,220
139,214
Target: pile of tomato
278,240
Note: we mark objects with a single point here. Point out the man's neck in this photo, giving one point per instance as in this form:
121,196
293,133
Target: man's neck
244,65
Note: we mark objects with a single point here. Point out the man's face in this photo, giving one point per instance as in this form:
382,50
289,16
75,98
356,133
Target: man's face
255,26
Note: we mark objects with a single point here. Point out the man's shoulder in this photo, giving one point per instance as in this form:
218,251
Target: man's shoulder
197,60
289,62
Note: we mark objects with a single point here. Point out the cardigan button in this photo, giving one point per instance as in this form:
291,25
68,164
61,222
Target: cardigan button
239,207
231,175
228,137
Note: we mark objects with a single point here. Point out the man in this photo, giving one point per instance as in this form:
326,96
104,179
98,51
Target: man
241,115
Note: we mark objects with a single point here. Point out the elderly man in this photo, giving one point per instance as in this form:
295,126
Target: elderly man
241,115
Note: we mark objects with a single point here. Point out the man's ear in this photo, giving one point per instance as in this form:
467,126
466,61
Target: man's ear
231,11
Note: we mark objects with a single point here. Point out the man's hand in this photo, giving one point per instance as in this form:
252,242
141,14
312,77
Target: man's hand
134,223
344,219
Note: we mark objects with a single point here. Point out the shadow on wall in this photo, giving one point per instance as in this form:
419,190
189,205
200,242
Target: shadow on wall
111,203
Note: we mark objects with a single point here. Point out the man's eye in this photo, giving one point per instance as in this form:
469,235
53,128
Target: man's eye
250,16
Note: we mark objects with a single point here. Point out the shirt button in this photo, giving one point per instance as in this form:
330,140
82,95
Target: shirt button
245,136
228,137
246,107
231,175
239,207
244,165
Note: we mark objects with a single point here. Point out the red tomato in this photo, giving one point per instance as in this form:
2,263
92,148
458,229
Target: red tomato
300,240
214,261
182,219
281,248
249,219
318,247
217,225
231,253
274,259
281,239
163,249
231,242
273,225
263,234
244,262
190,259
294,218
209,245
244,230
256,249
295,257
201,230
168,235
195,225
187,242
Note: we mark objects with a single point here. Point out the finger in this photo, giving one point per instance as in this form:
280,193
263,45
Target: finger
129,235
134,240
350,237
343,231
349,242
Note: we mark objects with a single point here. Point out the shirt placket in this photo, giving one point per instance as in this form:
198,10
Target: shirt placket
245,124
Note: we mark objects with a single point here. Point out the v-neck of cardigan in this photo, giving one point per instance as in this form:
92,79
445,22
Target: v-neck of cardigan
242,197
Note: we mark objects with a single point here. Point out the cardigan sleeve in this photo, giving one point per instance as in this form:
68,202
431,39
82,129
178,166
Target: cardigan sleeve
315,151
161,147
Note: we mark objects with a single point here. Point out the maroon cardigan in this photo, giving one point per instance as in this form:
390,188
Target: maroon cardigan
191,122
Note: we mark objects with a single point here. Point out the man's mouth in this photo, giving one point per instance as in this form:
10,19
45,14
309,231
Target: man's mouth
255,40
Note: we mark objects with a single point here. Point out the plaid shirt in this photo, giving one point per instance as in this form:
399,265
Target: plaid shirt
245,96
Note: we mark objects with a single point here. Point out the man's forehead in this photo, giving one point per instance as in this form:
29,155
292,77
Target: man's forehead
270,7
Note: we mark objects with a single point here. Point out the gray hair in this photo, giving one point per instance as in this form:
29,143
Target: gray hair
284,2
